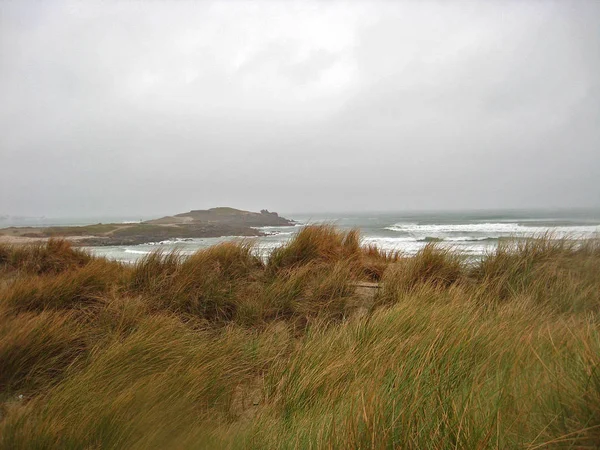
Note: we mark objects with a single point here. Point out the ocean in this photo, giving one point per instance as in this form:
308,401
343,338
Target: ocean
472,233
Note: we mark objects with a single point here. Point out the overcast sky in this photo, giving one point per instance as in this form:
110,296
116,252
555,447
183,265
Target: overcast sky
139,107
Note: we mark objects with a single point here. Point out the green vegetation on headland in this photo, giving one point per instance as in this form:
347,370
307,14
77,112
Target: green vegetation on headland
215,222
326,345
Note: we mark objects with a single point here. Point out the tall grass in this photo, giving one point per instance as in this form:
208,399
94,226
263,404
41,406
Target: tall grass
35,349
558,271
432,266
322,243
52,256
66,290
223,350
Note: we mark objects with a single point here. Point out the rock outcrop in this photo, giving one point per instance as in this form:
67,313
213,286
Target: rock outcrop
215,222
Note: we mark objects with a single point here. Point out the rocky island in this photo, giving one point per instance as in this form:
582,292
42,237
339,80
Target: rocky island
214,222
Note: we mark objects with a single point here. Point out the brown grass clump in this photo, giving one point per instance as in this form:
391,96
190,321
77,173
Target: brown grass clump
550,270
35,349
70,289
229,282
147,390
512,262
322,243
375,260
53,256
306,292
205,285
432,266
230,259
154,271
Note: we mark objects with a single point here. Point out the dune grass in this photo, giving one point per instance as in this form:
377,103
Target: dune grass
52,256
225,350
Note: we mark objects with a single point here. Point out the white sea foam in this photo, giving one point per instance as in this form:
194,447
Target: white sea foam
278,233
136,252
494,229
171,241
388,240
465,239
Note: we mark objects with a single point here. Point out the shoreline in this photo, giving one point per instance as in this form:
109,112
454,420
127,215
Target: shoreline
25,240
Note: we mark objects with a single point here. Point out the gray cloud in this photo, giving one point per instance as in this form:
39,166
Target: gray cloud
151,107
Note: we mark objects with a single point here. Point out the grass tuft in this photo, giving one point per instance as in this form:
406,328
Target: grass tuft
35,350
322,243
71,289
53,256
432,266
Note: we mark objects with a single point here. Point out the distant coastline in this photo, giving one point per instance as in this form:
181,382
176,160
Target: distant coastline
214,222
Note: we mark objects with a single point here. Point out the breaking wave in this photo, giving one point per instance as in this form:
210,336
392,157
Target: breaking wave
490,230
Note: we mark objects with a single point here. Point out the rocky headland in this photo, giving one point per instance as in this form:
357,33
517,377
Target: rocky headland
214,222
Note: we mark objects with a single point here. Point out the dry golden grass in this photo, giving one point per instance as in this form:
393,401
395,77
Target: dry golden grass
431,266
221,350
375,260
50,257
323,243
72,288
35,349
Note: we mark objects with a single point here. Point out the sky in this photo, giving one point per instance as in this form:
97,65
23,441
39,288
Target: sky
152,107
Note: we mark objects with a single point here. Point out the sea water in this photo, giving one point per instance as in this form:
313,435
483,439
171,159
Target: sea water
472,233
